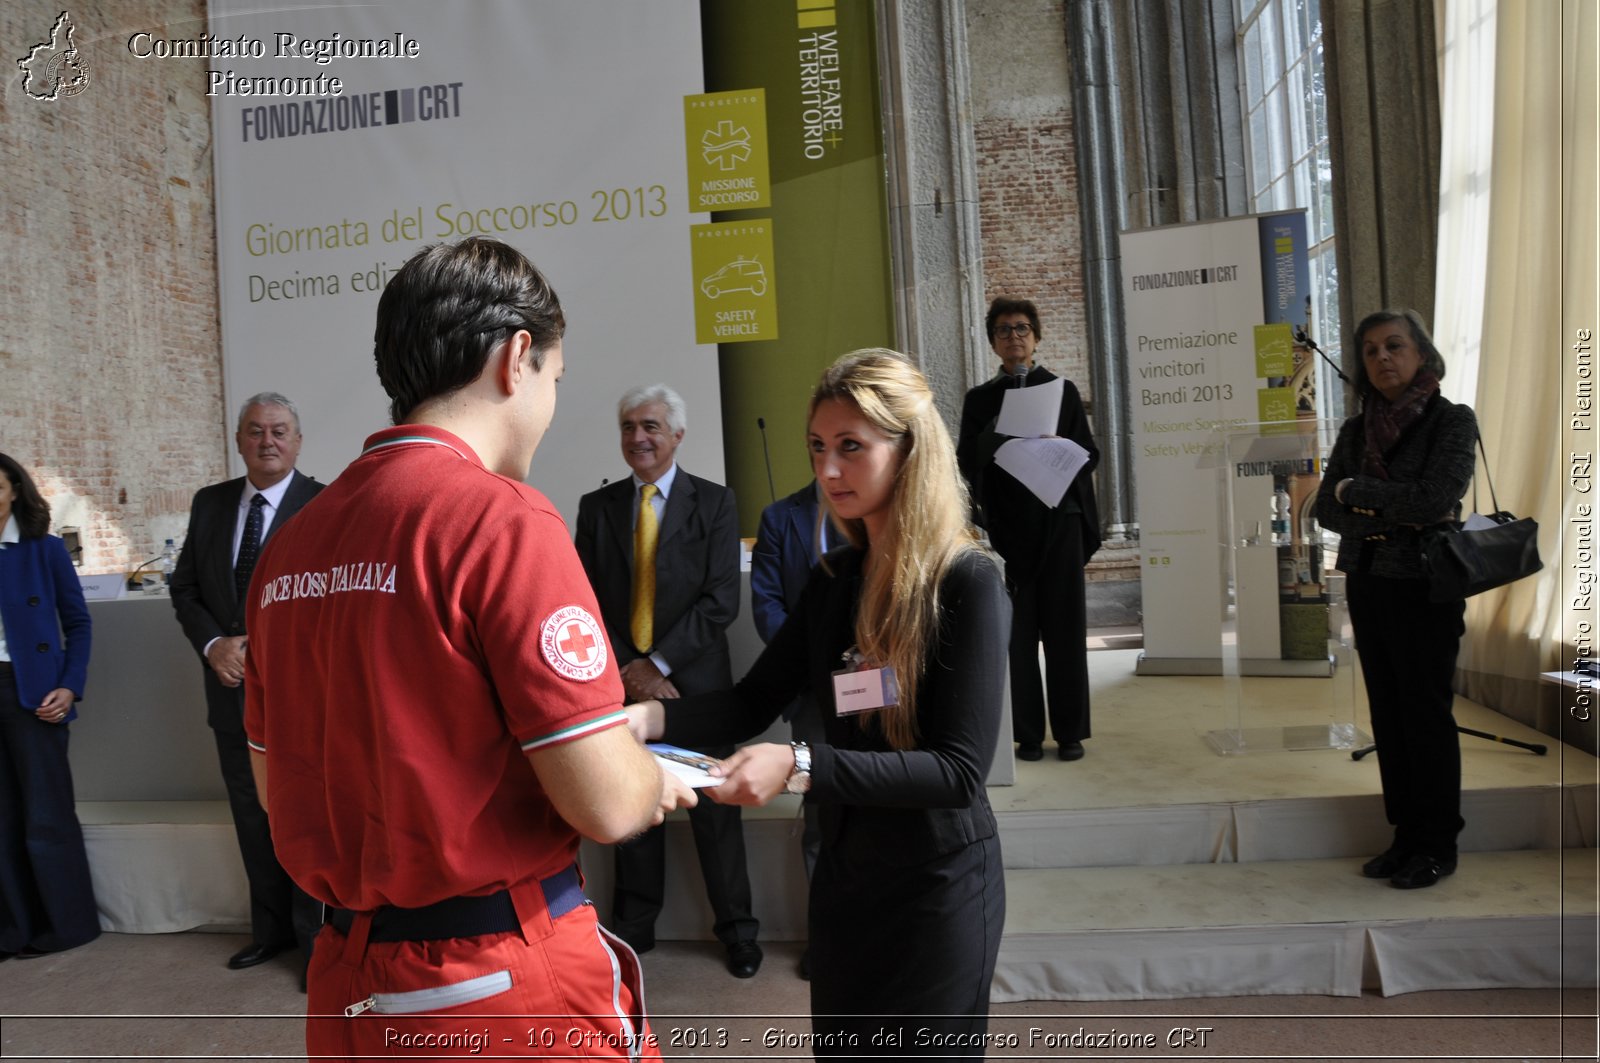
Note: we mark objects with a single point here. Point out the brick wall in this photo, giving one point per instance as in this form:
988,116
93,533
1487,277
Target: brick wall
1027,171
110,364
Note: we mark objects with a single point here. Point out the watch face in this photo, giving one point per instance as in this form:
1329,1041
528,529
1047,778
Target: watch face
798,783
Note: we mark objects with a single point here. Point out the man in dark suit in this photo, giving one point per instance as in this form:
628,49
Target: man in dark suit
229,523
1044,547
667,580
791,537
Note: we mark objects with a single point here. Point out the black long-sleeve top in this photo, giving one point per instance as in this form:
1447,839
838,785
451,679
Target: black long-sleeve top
893,805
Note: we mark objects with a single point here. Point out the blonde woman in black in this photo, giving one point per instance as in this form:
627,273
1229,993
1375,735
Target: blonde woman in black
907,902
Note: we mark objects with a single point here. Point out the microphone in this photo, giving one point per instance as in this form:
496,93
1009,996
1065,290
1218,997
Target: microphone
1304,340
134,582
761,423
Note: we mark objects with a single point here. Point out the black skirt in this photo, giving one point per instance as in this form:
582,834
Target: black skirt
902,957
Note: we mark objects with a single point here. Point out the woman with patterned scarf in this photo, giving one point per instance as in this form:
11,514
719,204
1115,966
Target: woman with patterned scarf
1400,465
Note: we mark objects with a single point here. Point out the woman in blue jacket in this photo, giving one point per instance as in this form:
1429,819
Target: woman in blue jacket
46,901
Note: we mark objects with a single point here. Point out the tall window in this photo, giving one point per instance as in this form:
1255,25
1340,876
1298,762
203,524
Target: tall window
1286,142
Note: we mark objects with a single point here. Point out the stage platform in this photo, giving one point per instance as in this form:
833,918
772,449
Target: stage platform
1152,868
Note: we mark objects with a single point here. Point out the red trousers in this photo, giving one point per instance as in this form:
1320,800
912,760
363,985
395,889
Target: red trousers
558,988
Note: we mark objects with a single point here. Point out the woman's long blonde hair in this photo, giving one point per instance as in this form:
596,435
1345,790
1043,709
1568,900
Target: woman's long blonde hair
927,529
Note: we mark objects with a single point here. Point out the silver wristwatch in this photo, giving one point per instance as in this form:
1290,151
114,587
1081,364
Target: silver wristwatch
800,781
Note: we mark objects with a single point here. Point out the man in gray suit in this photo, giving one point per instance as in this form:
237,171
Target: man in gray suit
229,523
667,580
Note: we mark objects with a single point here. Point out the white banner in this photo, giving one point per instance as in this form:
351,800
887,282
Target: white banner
1193,296
556,126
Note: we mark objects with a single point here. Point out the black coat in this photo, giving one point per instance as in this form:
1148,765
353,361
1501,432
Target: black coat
1021,527
1430,467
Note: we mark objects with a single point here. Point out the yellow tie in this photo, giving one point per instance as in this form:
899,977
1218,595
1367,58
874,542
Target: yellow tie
644,572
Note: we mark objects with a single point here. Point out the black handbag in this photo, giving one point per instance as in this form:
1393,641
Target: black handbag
1461,563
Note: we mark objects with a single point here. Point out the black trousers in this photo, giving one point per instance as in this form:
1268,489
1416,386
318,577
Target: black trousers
280,912
640,887
46,898
1408,651
1047,606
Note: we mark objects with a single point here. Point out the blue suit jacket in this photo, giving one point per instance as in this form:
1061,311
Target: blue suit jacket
784,554
40,601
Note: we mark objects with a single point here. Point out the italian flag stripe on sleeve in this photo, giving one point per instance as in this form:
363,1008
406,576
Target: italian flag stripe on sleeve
577,730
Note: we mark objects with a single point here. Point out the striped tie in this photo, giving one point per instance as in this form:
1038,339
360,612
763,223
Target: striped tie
643,626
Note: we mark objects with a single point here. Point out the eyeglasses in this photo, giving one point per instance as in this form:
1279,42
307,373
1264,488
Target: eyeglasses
1021,329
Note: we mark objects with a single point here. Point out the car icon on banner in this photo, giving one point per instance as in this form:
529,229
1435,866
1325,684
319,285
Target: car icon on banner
740,275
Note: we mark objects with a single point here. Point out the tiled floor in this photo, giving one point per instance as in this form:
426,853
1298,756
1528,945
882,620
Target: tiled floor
168,996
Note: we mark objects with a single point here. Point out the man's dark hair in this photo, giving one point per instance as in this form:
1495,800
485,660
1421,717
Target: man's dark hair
1004,305
447,308
29,507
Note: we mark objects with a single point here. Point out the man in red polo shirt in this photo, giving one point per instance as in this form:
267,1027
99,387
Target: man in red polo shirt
433,712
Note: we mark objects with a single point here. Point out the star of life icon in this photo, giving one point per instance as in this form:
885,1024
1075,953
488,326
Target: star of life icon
55,68
726,146
573,644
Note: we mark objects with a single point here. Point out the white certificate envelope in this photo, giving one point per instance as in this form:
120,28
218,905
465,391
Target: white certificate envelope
1046,467
1031,412
686,764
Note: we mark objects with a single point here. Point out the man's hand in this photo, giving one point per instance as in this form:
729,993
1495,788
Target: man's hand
754,775
642,680
226,657
675,793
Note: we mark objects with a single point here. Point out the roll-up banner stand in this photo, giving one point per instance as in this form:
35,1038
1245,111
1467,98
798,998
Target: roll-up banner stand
1209,312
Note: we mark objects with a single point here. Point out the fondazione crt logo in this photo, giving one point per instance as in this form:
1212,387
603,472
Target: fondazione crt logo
54,68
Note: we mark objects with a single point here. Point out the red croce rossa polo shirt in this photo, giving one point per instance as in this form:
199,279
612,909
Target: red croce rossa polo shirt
414,631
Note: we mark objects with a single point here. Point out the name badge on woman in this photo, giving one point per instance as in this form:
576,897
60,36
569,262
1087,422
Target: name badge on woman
858,688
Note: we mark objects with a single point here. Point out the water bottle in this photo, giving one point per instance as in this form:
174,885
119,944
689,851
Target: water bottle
169,561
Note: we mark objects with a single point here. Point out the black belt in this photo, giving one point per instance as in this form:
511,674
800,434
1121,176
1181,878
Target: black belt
462,917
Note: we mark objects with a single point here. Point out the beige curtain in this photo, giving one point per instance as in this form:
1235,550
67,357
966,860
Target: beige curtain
1538,287
1466,159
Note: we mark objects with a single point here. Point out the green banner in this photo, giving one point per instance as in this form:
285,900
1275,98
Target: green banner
815,62
736,296
1274,350
727,150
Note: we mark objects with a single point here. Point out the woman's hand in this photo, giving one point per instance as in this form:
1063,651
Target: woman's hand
647,720
55,706
754,775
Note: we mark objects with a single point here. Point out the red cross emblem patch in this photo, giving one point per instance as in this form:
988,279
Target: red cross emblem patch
573,644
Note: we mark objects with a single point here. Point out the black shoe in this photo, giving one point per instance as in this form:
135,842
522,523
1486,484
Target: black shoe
1421,871
639,945
253,954
744,959
1386,864
30,953
1030,751
1070,751
805,965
